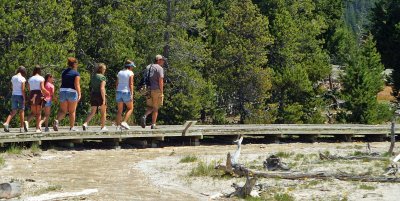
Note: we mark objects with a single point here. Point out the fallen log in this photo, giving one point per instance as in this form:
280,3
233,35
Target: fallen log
334,157
10,190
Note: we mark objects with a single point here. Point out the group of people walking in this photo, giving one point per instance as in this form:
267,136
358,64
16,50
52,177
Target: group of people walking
41,95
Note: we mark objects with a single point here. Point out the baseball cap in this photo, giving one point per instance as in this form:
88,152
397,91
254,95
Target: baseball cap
129,63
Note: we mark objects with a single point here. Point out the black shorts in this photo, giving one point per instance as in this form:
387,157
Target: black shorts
96,99
36,97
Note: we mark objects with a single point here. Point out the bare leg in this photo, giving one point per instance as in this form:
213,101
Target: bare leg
21,117
92,113
47,111
36,109
63,110
103,112
129,106
72,111
119,113
154,116
10,116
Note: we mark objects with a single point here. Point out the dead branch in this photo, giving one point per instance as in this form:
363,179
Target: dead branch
334,157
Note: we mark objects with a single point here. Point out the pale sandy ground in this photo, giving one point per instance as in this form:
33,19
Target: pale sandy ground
157,174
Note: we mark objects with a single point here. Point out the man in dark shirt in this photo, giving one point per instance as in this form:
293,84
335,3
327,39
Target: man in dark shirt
156,97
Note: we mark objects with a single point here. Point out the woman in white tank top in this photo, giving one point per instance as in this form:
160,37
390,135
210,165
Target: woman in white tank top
36,91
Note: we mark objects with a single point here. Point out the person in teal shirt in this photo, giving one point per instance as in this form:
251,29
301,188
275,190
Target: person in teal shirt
98,97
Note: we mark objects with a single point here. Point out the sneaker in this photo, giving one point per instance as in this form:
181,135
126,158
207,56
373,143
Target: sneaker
21,130
73,129
84,126
118,128
125,125
153,126
55,125
26,126
47,129
103,130
143,122
38,131
6,128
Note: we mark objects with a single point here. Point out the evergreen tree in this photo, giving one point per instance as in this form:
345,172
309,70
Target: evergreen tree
240,58
385,26
362,80
298,60
33,32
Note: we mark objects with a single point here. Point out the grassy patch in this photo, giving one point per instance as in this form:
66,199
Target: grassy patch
188,159
359,153
204,169
48,189
283,197
2,161
282,154
14,149
367,187
35,148
299,156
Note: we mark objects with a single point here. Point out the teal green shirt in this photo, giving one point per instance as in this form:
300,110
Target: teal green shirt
96,82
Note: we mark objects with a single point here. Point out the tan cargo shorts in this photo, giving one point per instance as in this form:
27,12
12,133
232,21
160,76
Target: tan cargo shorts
155,100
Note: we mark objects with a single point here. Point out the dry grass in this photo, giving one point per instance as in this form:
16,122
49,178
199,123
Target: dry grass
386,94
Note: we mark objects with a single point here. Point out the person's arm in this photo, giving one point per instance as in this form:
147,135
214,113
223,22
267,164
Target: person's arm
161,83
103,91
44,90
23,92
78,86
131,85
54,98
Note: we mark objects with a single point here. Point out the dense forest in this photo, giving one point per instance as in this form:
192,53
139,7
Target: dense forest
229,61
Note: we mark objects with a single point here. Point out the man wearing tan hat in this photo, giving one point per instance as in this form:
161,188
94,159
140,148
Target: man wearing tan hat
156,97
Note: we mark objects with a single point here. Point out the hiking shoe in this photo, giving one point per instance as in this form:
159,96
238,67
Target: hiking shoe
103,130
73,129
6,128
84,126
38,131
26,126
153,126
47,129
143,122
55,125
125,125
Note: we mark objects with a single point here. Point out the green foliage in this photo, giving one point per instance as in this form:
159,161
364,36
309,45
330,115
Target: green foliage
14,149
188,159
204,169
2,161
367,187
283,197
362,80
385,26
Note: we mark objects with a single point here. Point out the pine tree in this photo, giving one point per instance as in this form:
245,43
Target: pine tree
239,58
33,32
298,60
362,80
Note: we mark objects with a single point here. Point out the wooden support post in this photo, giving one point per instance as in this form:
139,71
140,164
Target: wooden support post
195,141
392,136
114,142
187,126
344,138
66,144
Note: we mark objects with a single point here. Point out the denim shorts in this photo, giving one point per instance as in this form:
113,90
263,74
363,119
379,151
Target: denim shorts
68,96
123,97
17,102
47,104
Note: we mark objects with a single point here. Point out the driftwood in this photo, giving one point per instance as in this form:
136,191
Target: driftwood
10,190
245,190
334,157
241,170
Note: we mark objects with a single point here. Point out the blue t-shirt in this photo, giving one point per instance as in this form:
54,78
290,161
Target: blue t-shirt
68,78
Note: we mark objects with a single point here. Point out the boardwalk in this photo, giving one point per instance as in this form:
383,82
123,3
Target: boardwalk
192,132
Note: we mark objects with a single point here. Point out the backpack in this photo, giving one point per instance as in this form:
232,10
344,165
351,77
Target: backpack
144,84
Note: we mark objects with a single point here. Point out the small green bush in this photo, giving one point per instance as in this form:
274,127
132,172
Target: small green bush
203,169
367,187
2,161
283,197
14,149
188,159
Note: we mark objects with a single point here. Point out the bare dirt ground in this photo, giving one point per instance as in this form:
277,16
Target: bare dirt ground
159,173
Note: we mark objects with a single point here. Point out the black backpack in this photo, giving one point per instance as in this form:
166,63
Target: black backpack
144,83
